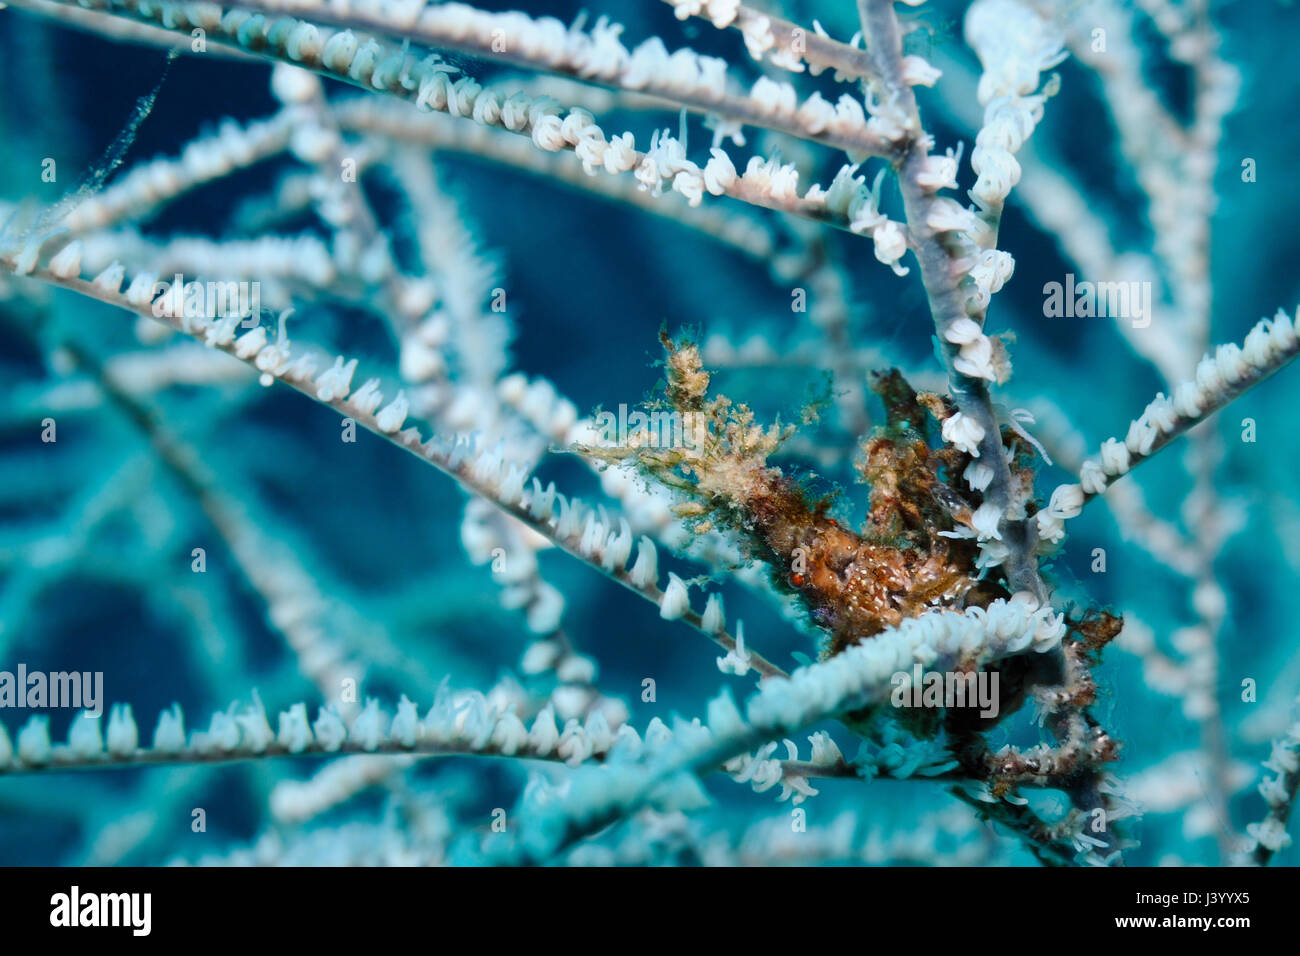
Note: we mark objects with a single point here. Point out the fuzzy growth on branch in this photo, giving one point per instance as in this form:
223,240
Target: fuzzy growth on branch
917,549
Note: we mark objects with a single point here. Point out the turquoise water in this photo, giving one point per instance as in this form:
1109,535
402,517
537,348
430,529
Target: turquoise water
97,534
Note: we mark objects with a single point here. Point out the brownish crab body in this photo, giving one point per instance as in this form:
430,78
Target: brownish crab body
855,585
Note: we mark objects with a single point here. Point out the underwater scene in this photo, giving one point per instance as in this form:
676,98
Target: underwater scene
640,433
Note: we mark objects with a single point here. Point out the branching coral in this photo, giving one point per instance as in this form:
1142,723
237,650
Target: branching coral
941,552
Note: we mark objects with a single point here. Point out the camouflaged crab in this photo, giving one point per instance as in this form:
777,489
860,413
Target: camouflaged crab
916,549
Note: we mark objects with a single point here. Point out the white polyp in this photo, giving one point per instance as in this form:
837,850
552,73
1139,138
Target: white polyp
509,736
985,521
618,548
329,729
963,432
975,359
406,727
719,173
26,259
816,114
1232,363
593,537
574,746
512,388
991,273
548,134
757,32
645,572
487,467
1209,379
367,729
512,486
140,292
539,657
169,735
301,370
566,522
948,216
391,418
1141,437
917,71
364,61
713,619
1067,501
222,734
1161,414
1092,477
335,381
889,241
110,280
1051,529
627,742
367,398
84,739
598,732
1114,458
221,333
1188,400
774,98
34,742
825,752
544,735
1257,349
433,92
540,501
67,263
978,475
675,601
292,84
123,735
250,343
388,73
1282,336
546,610
576,669
419,362
294,733
963,331
1270,833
